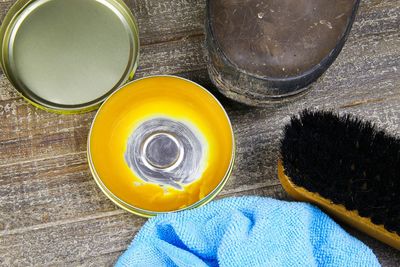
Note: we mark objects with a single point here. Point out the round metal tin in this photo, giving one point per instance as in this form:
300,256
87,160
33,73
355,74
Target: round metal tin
68,56
154,106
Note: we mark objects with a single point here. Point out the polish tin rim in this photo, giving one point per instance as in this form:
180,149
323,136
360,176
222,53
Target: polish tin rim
147,213
21,10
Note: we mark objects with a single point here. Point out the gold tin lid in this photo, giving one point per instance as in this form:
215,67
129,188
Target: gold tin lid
161,144
68,56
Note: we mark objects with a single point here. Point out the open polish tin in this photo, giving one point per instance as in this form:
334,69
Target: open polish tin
68,56
161,144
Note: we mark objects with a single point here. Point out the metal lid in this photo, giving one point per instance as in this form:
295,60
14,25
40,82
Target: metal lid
68,56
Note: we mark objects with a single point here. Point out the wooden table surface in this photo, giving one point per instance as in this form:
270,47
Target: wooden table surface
51,211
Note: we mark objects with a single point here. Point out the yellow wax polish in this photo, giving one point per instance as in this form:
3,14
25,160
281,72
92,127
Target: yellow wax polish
159,97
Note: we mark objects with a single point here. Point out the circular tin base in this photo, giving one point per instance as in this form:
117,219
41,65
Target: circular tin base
161,144
68,56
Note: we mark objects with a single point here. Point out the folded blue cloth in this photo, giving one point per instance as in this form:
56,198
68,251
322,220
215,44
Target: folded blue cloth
246,231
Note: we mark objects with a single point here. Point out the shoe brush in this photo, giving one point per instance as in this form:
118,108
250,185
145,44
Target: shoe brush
348,167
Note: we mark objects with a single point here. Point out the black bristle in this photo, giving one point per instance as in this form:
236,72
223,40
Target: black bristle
347,161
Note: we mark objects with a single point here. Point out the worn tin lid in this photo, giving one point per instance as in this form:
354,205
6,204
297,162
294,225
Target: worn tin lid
68,56
161,144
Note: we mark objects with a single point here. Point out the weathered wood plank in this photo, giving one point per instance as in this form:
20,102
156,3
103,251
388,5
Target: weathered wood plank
59,189
100,239
79,240
96,261
160,21
70,241
47,197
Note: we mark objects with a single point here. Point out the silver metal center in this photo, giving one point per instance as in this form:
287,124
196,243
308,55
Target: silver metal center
162,151
166,152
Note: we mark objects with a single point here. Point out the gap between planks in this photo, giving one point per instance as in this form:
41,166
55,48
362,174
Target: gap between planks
368,101
195,35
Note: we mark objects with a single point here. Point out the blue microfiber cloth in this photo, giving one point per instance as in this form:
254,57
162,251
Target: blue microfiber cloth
246,231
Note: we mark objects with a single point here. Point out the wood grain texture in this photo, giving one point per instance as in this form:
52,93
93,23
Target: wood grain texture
51,211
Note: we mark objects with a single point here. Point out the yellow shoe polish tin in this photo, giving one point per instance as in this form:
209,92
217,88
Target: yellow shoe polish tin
161,144
68,56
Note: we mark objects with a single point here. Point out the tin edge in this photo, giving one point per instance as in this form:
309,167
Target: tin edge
145,213
7,26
